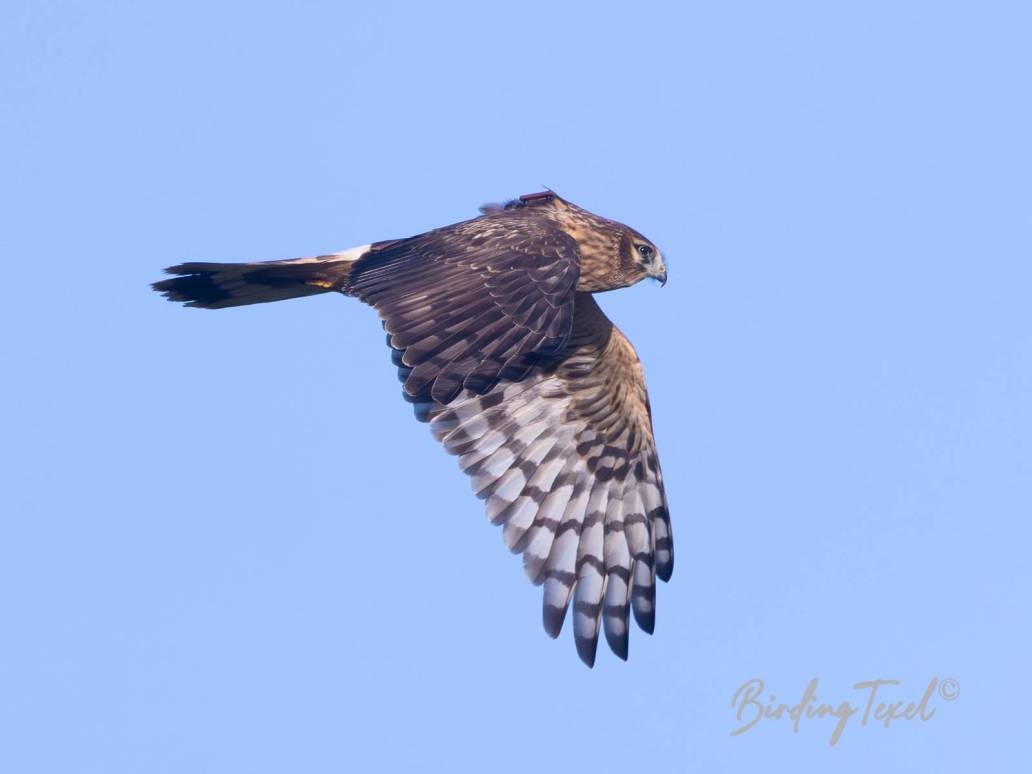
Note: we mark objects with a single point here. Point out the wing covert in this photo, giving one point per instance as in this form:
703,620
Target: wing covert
474,303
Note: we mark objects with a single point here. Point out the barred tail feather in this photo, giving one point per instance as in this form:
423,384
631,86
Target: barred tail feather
222,285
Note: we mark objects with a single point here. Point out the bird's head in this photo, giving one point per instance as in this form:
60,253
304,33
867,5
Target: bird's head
641,258
616,256
612,255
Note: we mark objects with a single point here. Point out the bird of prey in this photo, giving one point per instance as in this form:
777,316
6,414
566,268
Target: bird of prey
501,347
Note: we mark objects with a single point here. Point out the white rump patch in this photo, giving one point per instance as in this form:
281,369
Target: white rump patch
353,253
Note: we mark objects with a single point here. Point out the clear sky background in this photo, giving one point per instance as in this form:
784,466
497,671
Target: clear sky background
227,546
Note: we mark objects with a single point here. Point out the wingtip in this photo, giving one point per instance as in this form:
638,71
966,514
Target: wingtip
619,646
646,621
587,649
615,620
665,569
553,618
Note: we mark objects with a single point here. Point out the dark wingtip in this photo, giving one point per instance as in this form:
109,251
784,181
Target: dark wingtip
586,649
553,617
619,645
665,569
646,621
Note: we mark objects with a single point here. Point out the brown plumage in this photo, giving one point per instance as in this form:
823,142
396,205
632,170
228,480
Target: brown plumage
502,348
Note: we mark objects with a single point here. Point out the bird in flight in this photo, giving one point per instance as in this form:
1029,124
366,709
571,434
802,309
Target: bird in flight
501,347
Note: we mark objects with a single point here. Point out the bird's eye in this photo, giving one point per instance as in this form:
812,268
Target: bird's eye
645,250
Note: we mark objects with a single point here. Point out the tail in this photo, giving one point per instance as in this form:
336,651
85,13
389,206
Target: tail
221,285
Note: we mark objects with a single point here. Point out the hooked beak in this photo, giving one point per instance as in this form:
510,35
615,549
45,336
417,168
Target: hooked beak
658,271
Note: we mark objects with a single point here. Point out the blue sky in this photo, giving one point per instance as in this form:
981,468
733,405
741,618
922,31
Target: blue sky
226,545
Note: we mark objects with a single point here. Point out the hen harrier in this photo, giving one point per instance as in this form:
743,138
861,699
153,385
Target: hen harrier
501,347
